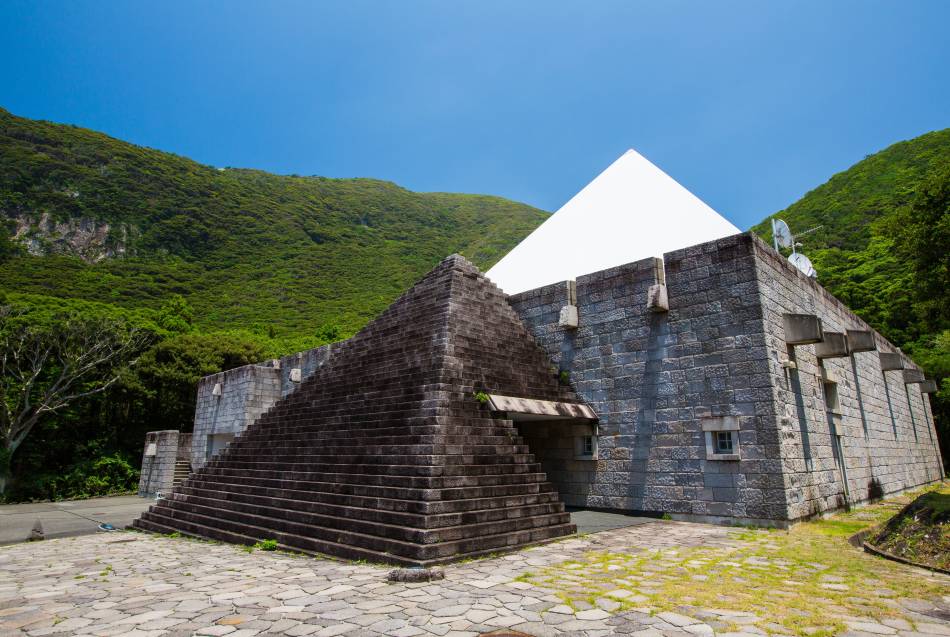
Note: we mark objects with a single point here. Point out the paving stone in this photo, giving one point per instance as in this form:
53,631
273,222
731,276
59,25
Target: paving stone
595,613
261,577
676,619
871,627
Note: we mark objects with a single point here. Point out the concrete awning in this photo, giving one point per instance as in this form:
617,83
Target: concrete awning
531,409
833,345
802,329
861,341
913,376
891,361
928,387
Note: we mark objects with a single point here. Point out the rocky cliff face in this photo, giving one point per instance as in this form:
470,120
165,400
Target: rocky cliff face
89,239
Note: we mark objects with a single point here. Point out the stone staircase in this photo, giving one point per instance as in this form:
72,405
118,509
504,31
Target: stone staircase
385,454
181,472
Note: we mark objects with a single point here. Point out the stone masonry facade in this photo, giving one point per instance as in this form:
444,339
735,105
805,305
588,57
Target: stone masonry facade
671,351
676,356
229,402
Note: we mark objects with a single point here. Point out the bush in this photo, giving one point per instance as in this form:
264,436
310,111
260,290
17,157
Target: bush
109,475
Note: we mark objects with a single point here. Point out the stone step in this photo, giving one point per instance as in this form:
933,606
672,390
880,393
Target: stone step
371,517
388,551
157,523
544,493
280,449
380,469
235,455
318,431
380,480
348,439
357,489
322,525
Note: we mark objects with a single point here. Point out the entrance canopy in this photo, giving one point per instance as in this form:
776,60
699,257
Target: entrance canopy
530,409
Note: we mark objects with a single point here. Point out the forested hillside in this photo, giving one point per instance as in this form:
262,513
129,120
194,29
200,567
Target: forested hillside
219,267
883,247
179,270
243,247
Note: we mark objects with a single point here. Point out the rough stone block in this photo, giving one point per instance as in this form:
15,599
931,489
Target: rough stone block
891,361
568,317
658,298
802,329
861,341
833,345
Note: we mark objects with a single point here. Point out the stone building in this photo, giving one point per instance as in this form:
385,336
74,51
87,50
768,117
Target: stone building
712,382
728,387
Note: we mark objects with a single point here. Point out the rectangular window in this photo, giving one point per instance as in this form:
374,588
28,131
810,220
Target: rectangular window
588,448
723,442
831,397
585,447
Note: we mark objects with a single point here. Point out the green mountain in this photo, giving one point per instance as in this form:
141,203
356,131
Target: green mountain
883,247
867,248
99,219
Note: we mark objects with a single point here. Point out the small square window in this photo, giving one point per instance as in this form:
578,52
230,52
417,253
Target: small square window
588,446
724,442
585,447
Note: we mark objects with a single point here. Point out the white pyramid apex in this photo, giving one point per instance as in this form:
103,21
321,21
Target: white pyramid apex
631,211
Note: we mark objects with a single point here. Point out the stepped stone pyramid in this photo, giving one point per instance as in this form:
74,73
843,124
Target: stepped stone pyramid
385,453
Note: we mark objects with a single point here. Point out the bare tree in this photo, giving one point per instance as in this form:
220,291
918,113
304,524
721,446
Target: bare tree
44,369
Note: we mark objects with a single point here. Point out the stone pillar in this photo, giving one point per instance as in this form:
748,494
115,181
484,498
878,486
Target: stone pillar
158,462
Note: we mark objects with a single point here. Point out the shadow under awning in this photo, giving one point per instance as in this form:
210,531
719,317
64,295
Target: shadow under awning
531,409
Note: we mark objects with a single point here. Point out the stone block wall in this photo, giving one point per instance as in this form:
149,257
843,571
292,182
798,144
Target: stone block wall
655,377
244,394
663,382
158,462
887,437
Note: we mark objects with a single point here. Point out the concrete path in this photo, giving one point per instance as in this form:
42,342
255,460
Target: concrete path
597,521
68,518
82,517
150,586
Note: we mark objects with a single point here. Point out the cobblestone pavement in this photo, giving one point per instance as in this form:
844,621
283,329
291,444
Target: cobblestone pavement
138,584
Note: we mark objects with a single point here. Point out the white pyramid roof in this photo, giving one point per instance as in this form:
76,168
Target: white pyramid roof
631,211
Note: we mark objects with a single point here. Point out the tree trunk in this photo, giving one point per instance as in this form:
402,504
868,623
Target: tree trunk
6,456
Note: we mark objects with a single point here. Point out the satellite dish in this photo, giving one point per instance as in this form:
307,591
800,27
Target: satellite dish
803,263
781,234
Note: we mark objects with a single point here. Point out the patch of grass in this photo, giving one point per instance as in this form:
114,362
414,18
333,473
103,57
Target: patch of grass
266,545
920,532
797,581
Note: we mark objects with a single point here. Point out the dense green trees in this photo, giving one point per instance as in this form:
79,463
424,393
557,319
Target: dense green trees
48,365
884,249
240,246
92,446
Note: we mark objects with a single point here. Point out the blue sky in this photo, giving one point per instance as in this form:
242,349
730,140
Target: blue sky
748,104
